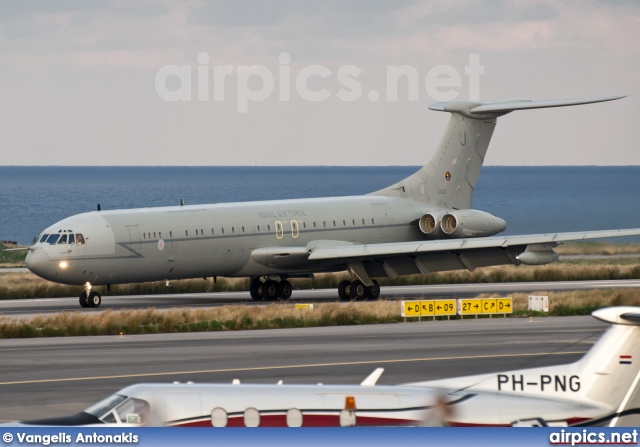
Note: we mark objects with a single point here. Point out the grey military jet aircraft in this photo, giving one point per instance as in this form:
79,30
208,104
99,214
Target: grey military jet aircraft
420,225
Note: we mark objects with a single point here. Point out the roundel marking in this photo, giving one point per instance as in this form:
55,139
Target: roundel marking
160,245
447,175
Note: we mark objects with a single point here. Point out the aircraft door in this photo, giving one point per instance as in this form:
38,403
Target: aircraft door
134,238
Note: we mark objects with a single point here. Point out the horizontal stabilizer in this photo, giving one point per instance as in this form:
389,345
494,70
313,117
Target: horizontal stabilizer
494,109
626,315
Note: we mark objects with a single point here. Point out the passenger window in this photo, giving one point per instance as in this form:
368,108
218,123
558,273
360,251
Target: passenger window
212,231
44,237
243,229
314,224
324,223
154,234
160,234
170,233
344,223
362,221
79,239
222,230
354,221
63,239
233,230
258,227
268,227
53,239
372,222
72,239
196,232
334,223
186,233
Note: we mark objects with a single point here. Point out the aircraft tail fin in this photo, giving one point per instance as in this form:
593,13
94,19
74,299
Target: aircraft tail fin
450,177
610,371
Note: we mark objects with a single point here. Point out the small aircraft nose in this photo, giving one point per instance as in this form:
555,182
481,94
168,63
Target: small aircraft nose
37,261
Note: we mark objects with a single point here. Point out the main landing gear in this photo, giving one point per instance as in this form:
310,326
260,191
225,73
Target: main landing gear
89,298
356,290
270,290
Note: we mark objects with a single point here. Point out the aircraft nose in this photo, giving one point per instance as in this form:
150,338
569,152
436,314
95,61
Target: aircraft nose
37,261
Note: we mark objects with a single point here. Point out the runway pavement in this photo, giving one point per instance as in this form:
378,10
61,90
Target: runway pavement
27,307
59,376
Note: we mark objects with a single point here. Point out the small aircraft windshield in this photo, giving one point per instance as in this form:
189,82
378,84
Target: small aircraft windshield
105,405
118,409
132,411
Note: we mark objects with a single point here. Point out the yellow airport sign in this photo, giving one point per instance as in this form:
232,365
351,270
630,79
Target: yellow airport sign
427,308
469,306
489,306
444,307
504,305
410,308
304,306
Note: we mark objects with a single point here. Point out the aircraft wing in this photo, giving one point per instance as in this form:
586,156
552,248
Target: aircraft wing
409,248
406,258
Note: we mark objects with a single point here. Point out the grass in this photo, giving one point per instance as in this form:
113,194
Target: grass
9,259
236,317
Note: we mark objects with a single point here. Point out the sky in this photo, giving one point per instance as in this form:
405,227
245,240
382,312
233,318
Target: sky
286,82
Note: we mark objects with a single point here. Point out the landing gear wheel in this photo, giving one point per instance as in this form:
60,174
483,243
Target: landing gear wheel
84,300
270,290
284,290
344,290
255,289
357,290
95,299
373,292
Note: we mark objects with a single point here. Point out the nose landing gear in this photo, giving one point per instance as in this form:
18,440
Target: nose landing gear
89,298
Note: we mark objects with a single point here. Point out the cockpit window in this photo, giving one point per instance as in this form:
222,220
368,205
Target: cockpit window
118,409
105,405
72,239
44,238
133,411
63,239
79,239
53,239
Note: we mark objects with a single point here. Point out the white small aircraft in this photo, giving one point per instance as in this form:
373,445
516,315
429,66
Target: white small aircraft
595,389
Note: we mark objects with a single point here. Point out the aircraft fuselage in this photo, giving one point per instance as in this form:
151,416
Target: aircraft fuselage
177,242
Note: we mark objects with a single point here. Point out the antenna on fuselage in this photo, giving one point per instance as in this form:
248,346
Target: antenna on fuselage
99,207
181,202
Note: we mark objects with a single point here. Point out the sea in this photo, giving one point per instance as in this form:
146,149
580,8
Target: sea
532,199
